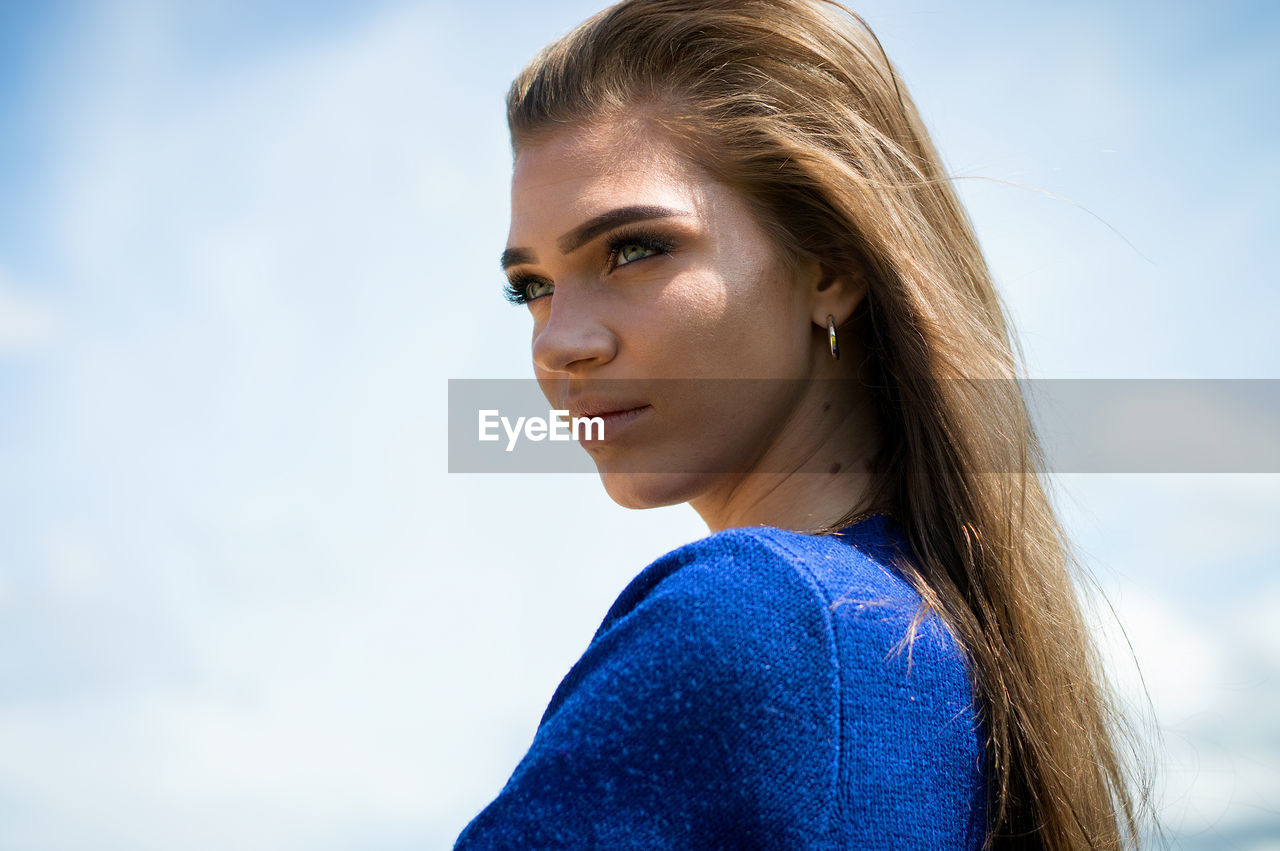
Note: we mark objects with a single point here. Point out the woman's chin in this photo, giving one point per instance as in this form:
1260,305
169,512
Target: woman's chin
650,490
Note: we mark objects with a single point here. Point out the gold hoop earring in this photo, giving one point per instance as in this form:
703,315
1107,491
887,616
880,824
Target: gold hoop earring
831,337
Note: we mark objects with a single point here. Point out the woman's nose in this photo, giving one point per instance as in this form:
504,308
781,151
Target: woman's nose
573,338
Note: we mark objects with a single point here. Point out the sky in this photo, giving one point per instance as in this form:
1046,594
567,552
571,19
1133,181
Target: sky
244,246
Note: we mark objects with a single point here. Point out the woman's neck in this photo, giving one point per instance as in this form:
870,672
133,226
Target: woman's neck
817,469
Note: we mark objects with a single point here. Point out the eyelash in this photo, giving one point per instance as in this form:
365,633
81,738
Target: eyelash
517,286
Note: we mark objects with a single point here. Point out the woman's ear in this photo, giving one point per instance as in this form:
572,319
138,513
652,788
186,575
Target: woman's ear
835,294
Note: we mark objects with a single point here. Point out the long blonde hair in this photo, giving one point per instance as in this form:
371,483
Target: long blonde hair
794,104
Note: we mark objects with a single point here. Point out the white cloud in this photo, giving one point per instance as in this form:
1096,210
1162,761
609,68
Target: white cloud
26,321
1187,562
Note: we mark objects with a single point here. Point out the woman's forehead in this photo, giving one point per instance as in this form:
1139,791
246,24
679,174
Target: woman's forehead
628,152
575,174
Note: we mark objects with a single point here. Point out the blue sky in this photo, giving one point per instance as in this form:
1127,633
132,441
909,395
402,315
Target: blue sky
244,245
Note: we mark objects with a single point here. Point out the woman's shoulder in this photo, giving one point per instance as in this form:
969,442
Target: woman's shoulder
848,581
830,626
832,608
743,692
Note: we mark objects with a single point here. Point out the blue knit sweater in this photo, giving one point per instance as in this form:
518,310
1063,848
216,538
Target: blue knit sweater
748,691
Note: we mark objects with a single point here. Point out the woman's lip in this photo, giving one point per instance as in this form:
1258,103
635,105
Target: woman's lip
614,420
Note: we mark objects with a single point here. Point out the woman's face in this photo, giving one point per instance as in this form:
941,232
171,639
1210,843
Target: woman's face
637,267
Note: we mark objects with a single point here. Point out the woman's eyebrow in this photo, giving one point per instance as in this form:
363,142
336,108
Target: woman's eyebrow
593,227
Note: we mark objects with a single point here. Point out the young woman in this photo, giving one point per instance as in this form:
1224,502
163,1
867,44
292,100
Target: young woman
739,248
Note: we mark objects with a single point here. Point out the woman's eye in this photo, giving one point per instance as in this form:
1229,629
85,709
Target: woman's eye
629,247
520,290
634,251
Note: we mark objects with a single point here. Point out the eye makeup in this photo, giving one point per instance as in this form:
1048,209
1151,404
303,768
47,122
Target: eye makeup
522,288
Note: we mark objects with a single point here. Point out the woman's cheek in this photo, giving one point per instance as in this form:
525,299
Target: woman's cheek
694,309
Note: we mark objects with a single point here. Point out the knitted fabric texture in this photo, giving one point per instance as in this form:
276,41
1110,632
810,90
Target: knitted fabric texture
750,690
